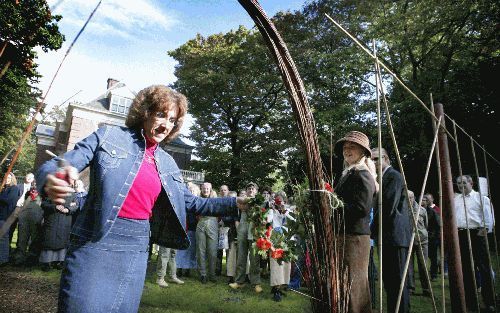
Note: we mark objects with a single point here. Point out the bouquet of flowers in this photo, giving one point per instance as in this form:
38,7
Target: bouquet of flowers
268,242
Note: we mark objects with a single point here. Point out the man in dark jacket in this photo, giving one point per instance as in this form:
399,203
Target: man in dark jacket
396,232
434,231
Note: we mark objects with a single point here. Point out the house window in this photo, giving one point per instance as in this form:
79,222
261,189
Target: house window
120,104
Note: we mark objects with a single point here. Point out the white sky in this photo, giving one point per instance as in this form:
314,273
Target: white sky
128,40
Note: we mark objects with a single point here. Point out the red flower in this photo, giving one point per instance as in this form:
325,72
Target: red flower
328,187
263,244
268,231
277,201
263,210
277,254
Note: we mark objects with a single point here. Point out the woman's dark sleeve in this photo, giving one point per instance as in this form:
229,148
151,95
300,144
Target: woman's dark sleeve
360,187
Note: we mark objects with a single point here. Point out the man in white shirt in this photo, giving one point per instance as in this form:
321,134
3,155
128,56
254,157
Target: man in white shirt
25,188
472,211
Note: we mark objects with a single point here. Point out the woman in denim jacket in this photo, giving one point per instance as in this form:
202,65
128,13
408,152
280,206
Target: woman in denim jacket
132,179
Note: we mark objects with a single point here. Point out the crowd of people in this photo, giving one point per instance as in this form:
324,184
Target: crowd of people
43,227
138,202
212,238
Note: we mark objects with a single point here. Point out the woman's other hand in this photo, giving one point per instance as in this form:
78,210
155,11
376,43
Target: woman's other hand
242,203
62,209
56,188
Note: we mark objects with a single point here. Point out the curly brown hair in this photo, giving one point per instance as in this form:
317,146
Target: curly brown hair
157,98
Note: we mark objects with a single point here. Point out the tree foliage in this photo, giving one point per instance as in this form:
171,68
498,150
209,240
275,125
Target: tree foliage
23,26
447,48
238,100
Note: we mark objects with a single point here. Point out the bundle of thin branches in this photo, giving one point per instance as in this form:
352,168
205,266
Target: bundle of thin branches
325,274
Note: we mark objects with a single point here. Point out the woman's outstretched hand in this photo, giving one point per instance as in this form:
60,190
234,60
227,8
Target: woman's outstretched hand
58,184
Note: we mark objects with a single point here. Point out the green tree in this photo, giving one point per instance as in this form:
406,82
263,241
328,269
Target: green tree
336,75
23,26
238,100
449,48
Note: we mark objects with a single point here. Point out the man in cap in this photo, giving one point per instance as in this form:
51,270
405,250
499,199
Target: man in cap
396,231
245,239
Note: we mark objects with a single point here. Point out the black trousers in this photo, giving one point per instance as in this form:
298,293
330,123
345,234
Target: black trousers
372,277
480,256
393,264
434,244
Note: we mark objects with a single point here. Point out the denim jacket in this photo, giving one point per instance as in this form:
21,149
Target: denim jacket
114,155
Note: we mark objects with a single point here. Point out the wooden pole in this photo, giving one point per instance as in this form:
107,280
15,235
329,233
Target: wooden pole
379,194
440,192
327,285
450,231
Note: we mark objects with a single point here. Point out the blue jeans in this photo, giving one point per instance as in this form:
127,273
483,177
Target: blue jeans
107,275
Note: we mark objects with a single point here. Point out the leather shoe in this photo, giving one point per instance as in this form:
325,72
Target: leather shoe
203,279
277,296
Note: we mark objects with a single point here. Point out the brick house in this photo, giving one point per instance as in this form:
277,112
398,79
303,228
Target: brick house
109,108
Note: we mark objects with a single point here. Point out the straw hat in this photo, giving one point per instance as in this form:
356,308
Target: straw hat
356,137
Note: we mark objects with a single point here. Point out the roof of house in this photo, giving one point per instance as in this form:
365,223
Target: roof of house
181,143
101,103
45,130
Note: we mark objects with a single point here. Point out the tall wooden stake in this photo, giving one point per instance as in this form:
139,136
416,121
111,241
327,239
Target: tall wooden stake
450,231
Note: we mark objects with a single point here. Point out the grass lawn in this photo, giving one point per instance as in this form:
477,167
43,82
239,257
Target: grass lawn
189,297
214,297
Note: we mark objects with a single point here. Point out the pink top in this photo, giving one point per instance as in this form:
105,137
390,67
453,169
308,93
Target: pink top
145,189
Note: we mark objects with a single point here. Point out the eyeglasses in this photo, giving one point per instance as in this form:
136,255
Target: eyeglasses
171,120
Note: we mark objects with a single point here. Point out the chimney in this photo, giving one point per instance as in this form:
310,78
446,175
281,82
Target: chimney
111,82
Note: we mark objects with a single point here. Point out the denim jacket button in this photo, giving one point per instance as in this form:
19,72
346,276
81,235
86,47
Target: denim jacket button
169,194
113,152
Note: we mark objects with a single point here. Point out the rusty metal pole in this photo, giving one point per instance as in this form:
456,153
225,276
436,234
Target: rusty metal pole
450,231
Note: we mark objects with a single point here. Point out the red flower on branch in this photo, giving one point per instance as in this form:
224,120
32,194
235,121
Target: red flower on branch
328,187
263,210
277,253
263,244
268,231
277,201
